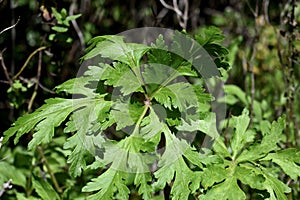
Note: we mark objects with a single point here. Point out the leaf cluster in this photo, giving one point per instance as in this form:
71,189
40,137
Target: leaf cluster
134,111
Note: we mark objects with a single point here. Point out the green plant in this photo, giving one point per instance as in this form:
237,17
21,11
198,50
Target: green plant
62,26
15,93
129,122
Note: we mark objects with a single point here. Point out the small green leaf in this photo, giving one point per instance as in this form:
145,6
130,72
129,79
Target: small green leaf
8,171
141,180
121,76
154,127
159,52
66,22
56,14
216,171
241,136
44,189
209,35
125,114
251,176
63,13
51,37
236,91
59,29
107,183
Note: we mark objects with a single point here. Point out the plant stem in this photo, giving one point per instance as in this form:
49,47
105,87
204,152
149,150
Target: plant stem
55,183
27,61
138,123
5,69
38,75
171,77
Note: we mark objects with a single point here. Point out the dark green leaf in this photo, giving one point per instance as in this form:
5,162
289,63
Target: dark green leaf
44,189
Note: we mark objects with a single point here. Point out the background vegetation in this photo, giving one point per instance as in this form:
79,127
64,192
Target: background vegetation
43,46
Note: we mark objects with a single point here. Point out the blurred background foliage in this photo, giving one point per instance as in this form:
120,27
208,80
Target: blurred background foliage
262,37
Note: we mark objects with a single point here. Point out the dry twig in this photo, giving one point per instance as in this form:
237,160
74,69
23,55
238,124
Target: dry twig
5,68
10,27
6,186
182,17
27,61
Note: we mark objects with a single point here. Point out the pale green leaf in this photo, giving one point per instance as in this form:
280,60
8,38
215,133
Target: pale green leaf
137,161
274,185
164,96
250,176
155,126
86,84
213,174
45,119
8,171
236,91
72,17
229,189
184,178
209,34
129,83
86,137
59,29
141,180
113,47
125,114
158,74
241,136
288,160
268,143
205,158
180,95
175,148
173,165
106,184
159,52
120,75
220,148
77,156
207,126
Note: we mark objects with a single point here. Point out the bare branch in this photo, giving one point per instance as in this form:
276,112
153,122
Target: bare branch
266,8
6,186
38,75
1,139
166,5
5,68
28,59
75,25
10,27
186,13
26,80
176,8
182,17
